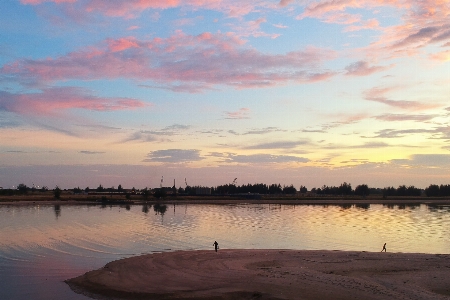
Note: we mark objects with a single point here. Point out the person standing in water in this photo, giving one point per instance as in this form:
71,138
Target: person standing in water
384,248
216,245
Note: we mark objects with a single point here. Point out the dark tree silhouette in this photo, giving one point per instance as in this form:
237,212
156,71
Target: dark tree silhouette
57,192
291,190
160,193
22,188
362,190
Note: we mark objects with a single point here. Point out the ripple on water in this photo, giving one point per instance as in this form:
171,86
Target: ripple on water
42,244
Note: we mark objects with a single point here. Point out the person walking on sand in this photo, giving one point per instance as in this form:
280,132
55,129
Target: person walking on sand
384,248
216,245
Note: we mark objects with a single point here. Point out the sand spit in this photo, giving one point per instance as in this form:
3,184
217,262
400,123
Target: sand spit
270,274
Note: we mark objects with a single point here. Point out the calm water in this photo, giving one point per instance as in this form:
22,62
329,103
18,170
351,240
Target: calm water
40,246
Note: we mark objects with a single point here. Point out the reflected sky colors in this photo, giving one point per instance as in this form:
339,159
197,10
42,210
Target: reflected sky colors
42,246
272,91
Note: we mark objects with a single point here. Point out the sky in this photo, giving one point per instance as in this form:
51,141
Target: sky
202,92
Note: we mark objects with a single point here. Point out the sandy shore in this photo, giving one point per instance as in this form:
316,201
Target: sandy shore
270,274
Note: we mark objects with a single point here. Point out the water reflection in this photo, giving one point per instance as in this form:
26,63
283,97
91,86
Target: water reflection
57,209
160,208
146,208
363,206
39,251
345,206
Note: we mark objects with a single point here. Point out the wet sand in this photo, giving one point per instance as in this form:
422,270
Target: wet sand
270,274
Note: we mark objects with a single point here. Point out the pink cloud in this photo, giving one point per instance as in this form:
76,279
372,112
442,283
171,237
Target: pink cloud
54,101
362,68
132,8
122,44
369,24
180,60
284,3
242,113
441,56
403,117
422,23
380,95
281,26
36,2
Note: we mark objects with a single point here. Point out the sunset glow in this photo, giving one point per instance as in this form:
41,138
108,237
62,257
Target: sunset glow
292,92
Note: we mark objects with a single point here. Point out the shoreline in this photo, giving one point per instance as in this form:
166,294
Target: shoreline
270,274
229,201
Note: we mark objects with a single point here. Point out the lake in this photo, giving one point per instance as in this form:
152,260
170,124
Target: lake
41,246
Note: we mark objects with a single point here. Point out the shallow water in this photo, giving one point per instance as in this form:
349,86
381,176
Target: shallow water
41,246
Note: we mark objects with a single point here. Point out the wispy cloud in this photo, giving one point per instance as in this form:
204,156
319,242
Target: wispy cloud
380,95
397,133
155,135
405,117
132,8
91,152
54,101
264,158
278,145
362,68
266,130
174,156
242,113
201,61
425,160
369,145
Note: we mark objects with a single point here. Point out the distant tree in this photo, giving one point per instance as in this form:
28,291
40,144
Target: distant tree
44,188
57,192
275,189
362,190
303,189
389,191
444,190
100,188
413,191
345,189
402,190
119,188
22,188
188,190
77,190
160,193
290,190
86,190
145,193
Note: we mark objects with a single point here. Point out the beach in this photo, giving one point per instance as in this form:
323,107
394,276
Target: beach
270,274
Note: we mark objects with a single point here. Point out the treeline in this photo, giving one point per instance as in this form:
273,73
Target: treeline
435,190
402,191
343,189
258,188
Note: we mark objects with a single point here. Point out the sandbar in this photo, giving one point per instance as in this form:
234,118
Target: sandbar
270,274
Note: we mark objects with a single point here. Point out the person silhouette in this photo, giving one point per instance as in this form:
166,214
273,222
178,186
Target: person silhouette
216,245
384,248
